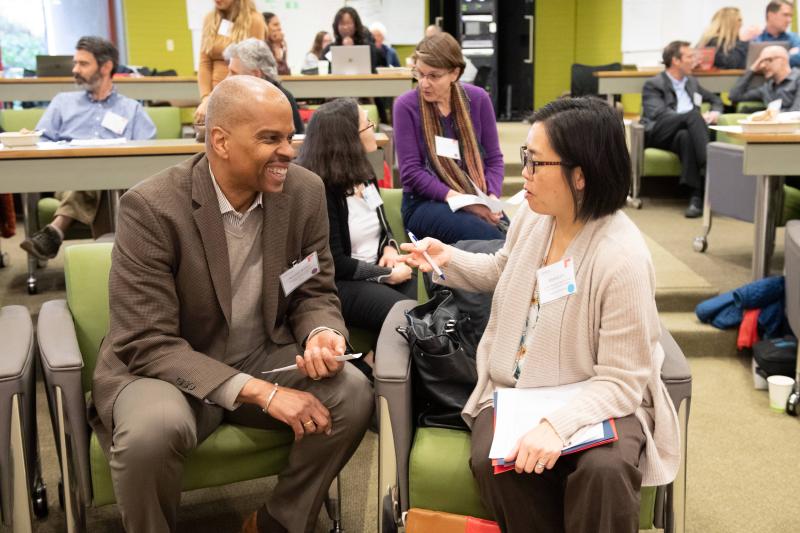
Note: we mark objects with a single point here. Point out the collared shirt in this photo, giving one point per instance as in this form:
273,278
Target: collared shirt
75,115
792,38
229,214
788,91
684,98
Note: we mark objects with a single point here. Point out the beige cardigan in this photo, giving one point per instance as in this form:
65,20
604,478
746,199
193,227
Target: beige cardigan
607,332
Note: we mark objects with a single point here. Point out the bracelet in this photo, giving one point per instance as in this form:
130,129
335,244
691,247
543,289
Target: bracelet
269,398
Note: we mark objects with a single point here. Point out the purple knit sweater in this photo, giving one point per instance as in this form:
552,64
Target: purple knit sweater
415,171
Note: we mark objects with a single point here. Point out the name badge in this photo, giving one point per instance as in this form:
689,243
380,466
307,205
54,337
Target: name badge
556,281
698,99
299,273
446,147
225,27
372,196
116,123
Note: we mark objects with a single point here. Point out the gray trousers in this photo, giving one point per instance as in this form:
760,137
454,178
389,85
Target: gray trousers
156,426
593,491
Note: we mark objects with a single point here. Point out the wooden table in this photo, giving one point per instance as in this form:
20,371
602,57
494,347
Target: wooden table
768,157
631,81
185,87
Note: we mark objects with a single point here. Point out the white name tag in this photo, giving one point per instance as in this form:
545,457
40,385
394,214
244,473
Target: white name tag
698,99
556,281
447,147
299,273
225,27
372,196
116,123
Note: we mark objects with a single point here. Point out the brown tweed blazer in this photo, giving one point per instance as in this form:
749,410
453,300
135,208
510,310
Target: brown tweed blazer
170,287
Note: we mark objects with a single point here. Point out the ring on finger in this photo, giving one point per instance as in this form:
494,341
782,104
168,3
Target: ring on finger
540,464
308,423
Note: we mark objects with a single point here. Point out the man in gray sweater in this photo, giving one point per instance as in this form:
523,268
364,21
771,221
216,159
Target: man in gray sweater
783,82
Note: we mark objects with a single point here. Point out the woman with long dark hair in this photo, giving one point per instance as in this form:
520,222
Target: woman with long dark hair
369,277
277,42
349,30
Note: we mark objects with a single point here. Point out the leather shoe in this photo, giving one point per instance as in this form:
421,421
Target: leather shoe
695,209
261,521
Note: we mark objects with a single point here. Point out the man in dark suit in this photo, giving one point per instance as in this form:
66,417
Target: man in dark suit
673,121
197,309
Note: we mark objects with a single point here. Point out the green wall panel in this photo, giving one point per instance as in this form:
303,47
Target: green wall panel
148,26
555,49
598,32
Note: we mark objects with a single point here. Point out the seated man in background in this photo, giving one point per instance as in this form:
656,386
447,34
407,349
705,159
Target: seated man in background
779,19
783,82
254,58
97,111
197,310
673,121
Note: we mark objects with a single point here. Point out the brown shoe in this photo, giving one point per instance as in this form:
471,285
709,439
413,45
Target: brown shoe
262,522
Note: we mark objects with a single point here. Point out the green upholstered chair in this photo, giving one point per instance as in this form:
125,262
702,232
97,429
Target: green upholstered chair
69,333
428,467
16,119
167,121
749,107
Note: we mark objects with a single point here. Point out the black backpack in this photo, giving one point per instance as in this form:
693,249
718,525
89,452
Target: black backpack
776,357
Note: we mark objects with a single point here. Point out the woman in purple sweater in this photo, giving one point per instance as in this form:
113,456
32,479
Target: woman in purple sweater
446,139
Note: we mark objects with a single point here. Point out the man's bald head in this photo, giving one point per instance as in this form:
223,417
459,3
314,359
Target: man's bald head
773,62
775,51
232,100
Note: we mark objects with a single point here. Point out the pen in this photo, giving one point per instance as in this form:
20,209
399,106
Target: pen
427,257
344,357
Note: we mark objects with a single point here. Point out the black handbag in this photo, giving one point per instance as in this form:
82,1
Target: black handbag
443,364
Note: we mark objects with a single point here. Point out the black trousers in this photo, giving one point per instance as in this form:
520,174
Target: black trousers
593,491
365,304
687,135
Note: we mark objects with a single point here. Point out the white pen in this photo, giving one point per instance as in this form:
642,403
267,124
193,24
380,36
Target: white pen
427,257
344,357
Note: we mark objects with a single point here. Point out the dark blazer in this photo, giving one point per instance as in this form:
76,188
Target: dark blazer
170,287
735,59
659,98
348,268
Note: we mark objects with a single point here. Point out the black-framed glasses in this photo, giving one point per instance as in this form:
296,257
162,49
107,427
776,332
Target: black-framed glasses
531,163
369,125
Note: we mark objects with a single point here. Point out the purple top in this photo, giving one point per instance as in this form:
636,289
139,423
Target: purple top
415,171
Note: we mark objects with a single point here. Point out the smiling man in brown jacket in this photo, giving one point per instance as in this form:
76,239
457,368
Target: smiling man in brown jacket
197,310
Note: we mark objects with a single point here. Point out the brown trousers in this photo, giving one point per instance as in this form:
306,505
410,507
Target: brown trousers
156,424
89,207
596,490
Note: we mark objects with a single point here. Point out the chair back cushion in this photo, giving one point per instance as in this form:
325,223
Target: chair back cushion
659,162
86,268
167,121
16,119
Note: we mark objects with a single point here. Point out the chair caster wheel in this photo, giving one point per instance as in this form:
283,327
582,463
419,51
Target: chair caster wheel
700,244
32,289
791,403
40,501
4,259
635,203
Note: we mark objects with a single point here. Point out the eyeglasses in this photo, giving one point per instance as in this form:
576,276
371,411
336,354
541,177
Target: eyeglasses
369,125
531,164
433,77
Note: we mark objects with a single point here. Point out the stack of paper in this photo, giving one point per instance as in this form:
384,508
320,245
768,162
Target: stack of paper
495,205
518,411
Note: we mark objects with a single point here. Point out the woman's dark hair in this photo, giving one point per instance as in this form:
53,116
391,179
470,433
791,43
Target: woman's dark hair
268,15
360,36
101,49
588,133
332,147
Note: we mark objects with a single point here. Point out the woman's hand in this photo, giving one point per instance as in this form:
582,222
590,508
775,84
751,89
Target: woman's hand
400,274
389,257
483,212
200,112
538,449
437,250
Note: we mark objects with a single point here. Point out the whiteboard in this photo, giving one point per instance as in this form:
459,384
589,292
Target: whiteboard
649,25
302,19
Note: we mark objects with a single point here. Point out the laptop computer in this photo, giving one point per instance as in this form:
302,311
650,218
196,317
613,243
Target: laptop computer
348,60
705,57
754,50
47,66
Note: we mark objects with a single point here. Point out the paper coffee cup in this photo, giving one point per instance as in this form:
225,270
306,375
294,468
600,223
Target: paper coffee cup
323,67
780,387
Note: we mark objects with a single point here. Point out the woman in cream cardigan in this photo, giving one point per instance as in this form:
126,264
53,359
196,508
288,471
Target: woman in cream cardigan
603,330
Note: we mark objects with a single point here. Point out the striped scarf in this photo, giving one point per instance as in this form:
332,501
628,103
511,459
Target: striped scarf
448,170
